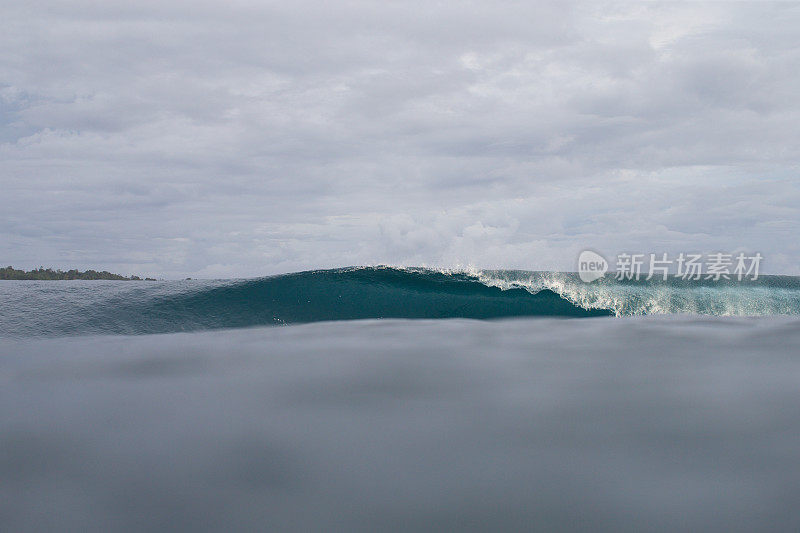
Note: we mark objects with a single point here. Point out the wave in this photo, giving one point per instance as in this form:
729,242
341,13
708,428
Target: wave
767,295
56,308
361,293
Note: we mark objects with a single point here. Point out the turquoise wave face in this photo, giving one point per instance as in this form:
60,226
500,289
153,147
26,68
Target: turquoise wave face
68,308
359,293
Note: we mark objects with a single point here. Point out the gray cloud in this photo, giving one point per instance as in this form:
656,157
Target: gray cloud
247,138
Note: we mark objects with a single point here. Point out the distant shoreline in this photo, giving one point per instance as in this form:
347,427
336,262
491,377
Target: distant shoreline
48,274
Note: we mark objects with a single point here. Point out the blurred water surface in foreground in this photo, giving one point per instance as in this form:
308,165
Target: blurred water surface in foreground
656,423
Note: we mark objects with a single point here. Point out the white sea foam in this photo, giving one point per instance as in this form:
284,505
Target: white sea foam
646,298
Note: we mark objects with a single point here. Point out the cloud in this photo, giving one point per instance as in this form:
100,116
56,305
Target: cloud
248,138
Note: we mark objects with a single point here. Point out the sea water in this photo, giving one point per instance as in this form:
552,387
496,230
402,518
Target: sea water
130,406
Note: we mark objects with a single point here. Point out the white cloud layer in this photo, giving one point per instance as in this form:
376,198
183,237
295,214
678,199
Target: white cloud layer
249,138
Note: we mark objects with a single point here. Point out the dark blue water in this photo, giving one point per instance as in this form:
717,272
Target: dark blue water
81,307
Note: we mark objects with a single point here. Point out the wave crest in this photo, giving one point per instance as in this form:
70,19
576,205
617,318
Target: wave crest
769,295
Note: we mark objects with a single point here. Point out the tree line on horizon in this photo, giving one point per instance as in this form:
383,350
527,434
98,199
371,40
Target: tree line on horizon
42,273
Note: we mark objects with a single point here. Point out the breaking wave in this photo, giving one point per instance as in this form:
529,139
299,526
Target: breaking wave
58,308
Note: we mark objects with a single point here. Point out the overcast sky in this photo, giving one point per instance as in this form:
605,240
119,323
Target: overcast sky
219,139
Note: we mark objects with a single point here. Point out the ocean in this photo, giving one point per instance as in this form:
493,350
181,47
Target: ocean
396,399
